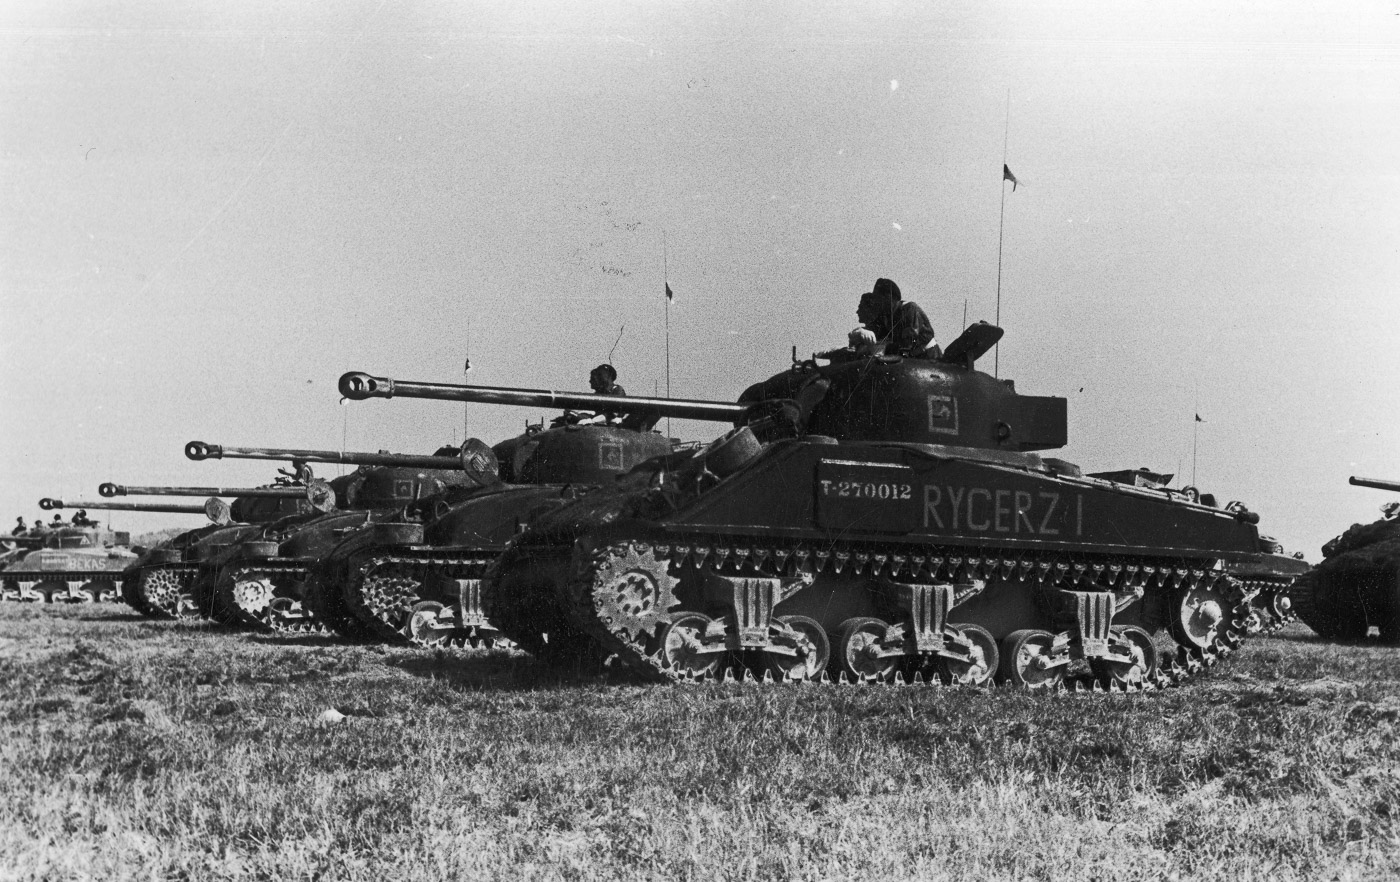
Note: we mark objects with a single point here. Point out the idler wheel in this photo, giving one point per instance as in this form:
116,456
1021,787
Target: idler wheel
981,664
1201,615
252,593
859,651
1139,668
684,650
813,647
1027,661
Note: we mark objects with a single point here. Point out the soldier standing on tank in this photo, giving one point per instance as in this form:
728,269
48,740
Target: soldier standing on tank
901,325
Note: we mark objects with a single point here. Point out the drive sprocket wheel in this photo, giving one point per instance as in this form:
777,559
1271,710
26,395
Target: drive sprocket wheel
247,592
165,592
633,592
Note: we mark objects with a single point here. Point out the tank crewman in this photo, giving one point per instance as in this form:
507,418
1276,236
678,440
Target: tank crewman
57,521
20,528
38,526
887,318
81,519
603,381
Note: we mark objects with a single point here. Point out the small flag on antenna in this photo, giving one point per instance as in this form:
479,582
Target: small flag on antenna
1198,418
669,295
1006,175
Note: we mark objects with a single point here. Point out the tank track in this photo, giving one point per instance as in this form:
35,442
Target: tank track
163,591
23,586
1271,606
323,598
384,590
250,592
600,615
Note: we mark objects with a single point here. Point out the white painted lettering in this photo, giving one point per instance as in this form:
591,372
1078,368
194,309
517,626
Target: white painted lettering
956,494
1045,528
932,497
1023,505
1002,512
978,491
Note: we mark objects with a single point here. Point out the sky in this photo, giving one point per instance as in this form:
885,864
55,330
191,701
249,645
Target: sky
210,211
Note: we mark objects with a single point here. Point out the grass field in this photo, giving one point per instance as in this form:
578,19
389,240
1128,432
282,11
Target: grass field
150,750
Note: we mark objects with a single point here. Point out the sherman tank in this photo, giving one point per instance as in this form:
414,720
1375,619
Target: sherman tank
76,562
261,578
174,580
215,509
1356,587
886,519
416,577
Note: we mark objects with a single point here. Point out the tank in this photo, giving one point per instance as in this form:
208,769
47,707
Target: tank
1356,587
261,579
76,562
886,519
173,580
415,578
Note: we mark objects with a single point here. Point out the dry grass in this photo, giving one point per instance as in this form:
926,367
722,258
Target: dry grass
135,749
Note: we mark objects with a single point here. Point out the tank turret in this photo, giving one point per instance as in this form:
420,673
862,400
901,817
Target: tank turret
890,399
1356,587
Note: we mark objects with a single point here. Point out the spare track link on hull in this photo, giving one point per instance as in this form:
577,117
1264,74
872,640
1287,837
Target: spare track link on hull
61,586
165,591
250,591
625,626
384,588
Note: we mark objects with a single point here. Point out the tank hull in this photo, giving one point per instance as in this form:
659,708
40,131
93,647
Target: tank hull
1355,590
876,560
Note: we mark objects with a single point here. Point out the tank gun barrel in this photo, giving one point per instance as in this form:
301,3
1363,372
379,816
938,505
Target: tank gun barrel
200,451
358,386
1374,482
104,505
299,491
